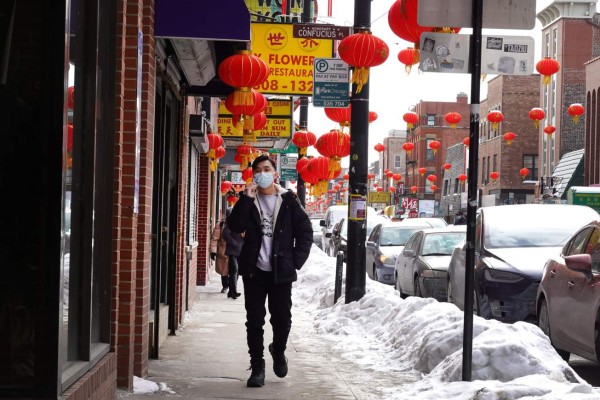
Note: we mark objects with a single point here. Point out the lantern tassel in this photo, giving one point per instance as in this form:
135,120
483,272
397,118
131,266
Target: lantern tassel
249,122
213,164
536,123
546,79
360,77
302,151
576,119
239,127
243,97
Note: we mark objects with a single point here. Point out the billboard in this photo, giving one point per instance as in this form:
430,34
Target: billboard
279,121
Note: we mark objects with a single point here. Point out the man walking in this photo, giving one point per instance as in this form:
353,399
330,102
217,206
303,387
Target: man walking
277,241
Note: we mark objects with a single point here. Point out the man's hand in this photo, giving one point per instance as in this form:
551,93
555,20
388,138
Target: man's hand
213,256
250,190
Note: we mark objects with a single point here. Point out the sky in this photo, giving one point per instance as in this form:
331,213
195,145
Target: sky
382,333
392,91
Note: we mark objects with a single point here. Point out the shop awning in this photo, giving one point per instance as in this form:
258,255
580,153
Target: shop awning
194,19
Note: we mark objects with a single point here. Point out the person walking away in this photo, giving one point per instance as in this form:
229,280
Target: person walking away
277,242
234,246
217,254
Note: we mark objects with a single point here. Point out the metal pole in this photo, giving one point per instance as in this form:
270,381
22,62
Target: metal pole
359,142
475,67
300,187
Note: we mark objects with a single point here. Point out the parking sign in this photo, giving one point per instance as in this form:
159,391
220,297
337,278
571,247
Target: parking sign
331,83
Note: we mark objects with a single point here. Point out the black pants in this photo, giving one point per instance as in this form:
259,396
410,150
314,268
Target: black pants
233,274
225,281
258,288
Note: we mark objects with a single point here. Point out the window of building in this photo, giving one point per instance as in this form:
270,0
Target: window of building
530,162
457,184
446,185
547,45
430,119
554,43
397,161
495,164
483,171
487,178
429,156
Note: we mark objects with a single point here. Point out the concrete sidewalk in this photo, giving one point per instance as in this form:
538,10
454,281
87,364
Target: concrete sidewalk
208,359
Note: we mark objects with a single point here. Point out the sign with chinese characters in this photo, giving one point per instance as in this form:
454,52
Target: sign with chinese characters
500,55
290,60
279,121
331,83
409,203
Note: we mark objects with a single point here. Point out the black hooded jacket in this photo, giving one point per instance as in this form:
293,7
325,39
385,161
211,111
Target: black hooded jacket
292,235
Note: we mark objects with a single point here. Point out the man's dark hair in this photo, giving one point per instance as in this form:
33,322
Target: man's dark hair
262,158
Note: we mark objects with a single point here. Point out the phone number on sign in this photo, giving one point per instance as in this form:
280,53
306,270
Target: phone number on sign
273,85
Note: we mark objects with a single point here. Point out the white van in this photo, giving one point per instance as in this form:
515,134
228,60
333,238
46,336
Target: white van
333,215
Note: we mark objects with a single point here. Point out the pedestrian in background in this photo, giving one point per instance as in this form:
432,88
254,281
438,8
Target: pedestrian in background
277,242
233,249
218,254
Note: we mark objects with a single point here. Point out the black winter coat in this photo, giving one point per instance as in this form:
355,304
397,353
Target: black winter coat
292,236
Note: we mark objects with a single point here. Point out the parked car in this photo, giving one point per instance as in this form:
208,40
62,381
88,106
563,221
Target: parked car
421,268
316,226
384,244
568,299
339,235
512,244
434,221
333,215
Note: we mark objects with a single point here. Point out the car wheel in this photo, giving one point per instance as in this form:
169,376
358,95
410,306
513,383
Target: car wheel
544,324
449,292
417,287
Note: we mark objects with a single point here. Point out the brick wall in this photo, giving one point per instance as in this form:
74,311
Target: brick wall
99,383
204,220
592,124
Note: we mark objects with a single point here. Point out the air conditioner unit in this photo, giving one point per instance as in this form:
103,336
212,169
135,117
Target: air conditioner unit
199,127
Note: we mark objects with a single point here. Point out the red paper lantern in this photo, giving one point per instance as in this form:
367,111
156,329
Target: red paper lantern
466,141
225,186
244,71
258,105
549,130
397,177
523,172
319,167
340,115
245,154
431,178
422,171
336,187
453,118
392,189
370,176
462,177
402,19
304,139
413,189
494,176
362,50
231,199
379,147
411,118
346,177
372,116
334,144
301,164
380,189
435,146
250,124
495,117
509,137
547,67
408,57
575,110
247,175
433,187
447,166
408,147
214,142
537,114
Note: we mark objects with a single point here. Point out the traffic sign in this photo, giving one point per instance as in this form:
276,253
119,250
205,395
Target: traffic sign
287,167
498,14
331,83
321,31
500,55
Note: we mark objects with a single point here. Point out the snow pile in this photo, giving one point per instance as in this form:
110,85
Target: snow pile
144,386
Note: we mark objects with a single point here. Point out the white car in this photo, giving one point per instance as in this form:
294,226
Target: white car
333,215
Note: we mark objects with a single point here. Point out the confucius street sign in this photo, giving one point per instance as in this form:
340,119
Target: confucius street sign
321,31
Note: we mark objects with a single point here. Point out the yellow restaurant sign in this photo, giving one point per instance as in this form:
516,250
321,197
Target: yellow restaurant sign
379,197
290,60
279,120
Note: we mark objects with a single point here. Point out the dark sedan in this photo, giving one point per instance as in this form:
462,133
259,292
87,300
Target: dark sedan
512,244
421,268
339,235
568,301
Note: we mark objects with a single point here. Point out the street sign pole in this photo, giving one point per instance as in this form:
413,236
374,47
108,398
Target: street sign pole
303,122
359,143
475,61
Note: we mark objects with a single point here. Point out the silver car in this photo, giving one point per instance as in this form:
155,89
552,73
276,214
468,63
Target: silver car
384,244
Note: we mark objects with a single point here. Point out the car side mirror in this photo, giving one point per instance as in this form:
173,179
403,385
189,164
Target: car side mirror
328,235
409,253
370,244
322,222
580,263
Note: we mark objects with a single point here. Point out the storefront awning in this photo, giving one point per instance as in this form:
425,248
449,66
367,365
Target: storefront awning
193,19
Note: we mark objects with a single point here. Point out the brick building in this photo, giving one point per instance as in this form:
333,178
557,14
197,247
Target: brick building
393,157
514,96
591,172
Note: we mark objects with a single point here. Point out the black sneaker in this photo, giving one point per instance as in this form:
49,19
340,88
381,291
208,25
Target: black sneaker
257,378
280,366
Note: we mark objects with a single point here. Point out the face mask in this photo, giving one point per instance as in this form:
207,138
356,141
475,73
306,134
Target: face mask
264,179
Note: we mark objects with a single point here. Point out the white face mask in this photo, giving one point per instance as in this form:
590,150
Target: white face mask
264,179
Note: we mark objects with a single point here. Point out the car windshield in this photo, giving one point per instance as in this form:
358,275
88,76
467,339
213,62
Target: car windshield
533,227
442,244
397,235
372,221
316,225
